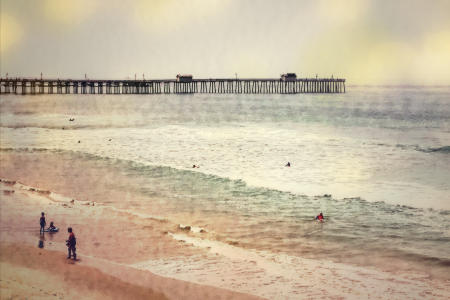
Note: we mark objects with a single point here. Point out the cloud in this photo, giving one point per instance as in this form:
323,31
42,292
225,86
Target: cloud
11,32
388,46
168,15
365,41
68,13
433,61
340,12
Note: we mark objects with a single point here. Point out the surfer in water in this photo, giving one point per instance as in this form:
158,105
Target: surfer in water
319,217
288,164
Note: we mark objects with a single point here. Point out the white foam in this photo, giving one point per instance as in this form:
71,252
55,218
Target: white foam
236,154
137,214
193,229
280,276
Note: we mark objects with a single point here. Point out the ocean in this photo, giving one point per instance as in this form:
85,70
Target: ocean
374,160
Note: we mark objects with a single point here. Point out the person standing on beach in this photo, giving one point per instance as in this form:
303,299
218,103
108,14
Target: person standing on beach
42,223
71,243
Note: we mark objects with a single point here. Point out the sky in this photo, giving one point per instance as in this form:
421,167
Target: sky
365,41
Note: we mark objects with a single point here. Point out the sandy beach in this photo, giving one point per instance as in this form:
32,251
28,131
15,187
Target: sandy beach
101,271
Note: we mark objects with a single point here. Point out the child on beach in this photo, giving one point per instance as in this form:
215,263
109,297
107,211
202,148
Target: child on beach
71,243
42,223
52,227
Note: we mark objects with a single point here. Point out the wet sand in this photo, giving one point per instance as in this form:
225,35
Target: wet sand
104,249
29,272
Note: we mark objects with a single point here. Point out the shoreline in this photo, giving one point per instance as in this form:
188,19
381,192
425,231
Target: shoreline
19,255
185,257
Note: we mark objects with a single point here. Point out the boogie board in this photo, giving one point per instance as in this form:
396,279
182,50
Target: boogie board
56,229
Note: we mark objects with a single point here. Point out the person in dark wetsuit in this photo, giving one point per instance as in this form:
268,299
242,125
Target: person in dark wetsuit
320,217
71,243
42,223
52,227
288,164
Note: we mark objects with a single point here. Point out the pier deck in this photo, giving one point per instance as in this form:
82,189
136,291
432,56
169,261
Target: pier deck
27,86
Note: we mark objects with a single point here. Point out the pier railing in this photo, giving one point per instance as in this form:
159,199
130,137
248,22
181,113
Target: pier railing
27,86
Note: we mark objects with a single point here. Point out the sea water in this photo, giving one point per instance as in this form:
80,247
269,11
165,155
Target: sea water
375,161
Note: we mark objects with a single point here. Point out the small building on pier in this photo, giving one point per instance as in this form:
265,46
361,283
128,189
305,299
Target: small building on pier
289,77
184,78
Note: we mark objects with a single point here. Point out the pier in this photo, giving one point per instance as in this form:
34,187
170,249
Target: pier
182,84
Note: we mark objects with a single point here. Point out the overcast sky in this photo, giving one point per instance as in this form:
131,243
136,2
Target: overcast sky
365,41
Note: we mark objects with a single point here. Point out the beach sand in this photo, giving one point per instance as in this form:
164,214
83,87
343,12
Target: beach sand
30,272
123,254
101,272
